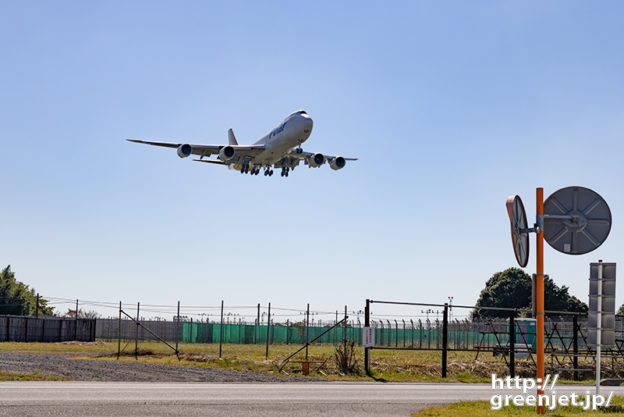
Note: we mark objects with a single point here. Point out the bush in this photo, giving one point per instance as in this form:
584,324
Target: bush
344,356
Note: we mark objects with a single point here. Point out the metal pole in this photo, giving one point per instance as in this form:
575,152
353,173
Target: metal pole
599,327
444,338
76,322
396,334
344,329
539,292
136,340
221,331
268,333
412,322
403,332
37,306
119,332
366,350
307,332
512,344
575,345
178,329
257,326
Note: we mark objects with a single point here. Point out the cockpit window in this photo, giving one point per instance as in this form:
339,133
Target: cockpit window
302,112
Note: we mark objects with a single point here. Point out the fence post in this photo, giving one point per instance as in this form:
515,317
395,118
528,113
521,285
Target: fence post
344,331
268,332
307,329
444,339
575,345
178,329
221,332
366,349
403,332
118,332
76,322
136,334
412,322
257,326
37,306
512,344
396,333
287,329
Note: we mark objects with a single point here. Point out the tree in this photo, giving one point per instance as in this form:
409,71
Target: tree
512,288
620,311
17,299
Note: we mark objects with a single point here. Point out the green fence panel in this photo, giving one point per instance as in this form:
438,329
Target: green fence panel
247,334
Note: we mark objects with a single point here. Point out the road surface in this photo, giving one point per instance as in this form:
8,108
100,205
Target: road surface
142,399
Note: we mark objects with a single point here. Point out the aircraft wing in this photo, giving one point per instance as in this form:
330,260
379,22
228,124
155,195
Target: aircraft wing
306,155
241,151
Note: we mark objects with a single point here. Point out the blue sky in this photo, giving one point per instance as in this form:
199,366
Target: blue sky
450,106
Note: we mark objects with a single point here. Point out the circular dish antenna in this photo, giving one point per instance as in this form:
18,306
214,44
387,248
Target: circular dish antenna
519,232
576,220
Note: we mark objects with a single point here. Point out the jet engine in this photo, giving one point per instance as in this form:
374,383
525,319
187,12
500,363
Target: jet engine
337,163
226,153
316,160
184,151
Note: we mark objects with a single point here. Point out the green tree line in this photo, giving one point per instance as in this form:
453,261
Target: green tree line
18,299
512,288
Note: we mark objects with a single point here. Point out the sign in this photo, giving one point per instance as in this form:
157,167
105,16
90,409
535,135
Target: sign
368,337
601,303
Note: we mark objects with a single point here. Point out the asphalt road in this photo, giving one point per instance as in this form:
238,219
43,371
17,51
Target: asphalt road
191,399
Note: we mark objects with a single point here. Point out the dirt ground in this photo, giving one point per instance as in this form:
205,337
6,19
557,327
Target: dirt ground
112,370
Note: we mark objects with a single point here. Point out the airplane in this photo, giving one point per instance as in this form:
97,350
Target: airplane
280,148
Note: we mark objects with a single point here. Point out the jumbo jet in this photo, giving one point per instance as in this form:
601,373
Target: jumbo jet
280,148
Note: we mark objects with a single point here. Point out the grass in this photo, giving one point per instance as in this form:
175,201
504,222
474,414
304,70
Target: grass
18,376
483,409
389,365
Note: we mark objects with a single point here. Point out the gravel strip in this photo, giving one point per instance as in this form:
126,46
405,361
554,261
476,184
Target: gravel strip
112,370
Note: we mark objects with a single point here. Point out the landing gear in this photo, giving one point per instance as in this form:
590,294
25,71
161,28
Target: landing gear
246,169
268,172
285,172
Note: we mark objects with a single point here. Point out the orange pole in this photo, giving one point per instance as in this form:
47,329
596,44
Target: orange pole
539,294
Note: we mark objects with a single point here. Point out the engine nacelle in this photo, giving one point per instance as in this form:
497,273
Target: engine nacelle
316,160
184,151
226,153
337,163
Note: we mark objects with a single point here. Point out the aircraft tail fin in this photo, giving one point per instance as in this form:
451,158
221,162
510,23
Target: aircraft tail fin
232,138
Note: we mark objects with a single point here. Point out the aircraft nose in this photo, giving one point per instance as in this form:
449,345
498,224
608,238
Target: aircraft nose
307,125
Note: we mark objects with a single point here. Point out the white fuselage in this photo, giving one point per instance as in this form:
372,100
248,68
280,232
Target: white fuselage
292,132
